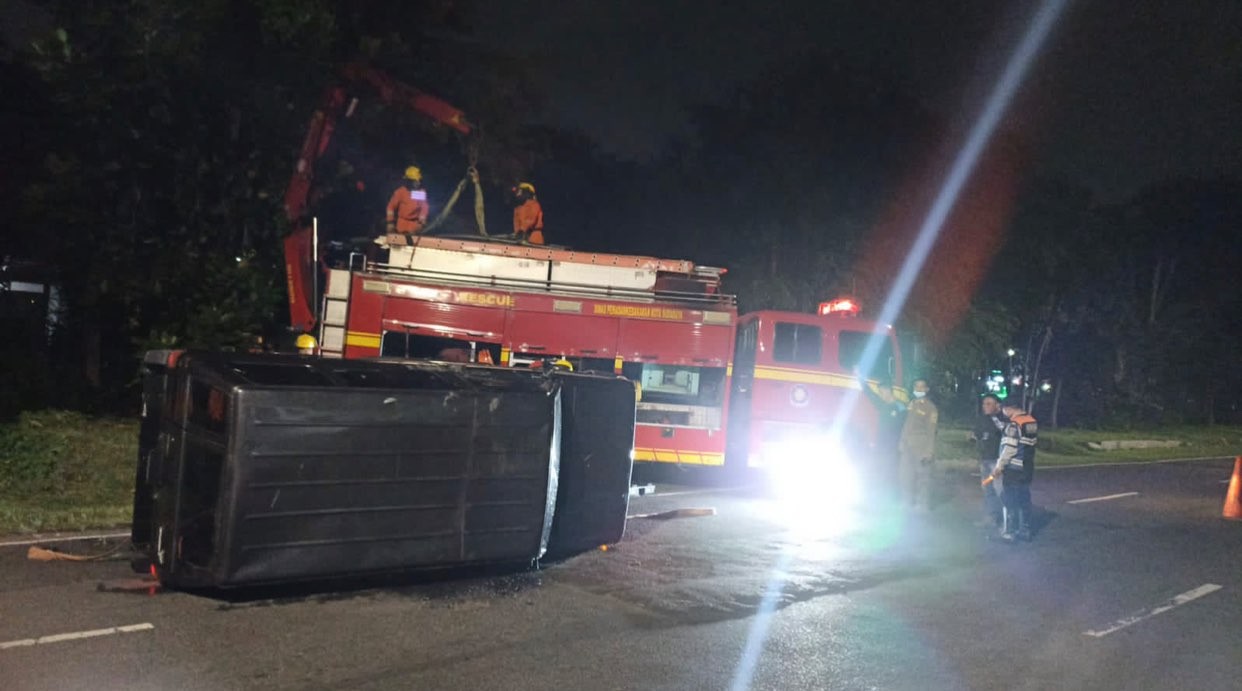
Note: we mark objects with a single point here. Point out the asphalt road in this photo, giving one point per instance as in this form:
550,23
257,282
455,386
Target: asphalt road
879,600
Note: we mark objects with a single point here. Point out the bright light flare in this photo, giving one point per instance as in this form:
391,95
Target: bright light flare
815,487
998,101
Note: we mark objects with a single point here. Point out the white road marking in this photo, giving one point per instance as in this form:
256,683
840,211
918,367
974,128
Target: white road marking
1104,498
77,635
1178,601
65,538
1226,481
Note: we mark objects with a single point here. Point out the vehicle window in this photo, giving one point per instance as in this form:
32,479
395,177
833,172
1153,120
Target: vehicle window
851,347
209,407
798,343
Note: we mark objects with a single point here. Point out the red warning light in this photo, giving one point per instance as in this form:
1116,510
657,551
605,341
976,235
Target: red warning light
845,307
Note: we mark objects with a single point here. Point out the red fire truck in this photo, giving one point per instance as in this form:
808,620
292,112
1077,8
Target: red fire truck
711,384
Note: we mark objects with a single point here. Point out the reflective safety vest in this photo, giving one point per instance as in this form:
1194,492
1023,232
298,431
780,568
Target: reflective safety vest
1017,447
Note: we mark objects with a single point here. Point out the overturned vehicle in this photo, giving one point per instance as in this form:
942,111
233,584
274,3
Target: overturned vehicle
258,469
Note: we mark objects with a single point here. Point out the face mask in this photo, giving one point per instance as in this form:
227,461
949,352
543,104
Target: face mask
920,394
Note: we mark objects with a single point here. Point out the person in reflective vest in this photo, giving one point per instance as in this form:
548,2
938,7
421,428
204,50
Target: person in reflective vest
408,208
527,214
1015,469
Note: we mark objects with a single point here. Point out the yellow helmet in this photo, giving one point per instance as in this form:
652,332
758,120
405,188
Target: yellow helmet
526,186
414,173
306,342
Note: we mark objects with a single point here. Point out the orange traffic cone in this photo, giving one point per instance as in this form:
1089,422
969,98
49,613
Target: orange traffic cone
1233,500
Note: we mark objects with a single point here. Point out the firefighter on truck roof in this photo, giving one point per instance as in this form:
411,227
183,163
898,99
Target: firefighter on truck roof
407,208
527,214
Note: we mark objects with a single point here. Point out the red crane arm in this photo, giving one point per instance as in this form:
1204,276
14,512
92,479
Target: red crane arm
336,103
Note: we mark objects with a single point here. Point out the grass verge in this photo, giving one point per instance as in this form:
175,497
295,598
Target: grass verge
66,471
1064,447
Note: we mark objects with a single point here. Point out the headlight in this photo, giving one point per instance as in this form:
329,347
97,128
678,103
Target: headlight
815,485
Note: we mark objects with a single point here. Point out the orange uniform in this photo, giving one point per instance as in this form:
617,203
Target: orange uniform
408,209
528,221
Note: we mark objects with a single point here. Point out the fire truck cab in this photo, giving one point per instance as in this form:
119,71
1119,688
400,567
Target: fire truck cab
709,383
794,376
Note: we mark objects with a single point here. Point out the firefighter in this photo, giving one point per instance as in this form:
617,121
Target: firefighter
917,448
986,434
527,214
306,344
1015,468
407,208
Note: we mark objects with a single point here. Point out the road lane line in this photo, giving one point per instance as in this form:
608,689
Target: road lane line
1104,498
77,635
65,538
1178,601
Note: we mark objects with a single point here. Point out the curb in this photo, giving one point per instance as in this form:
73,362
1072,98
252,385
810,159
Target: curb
1106,463
1100,464
36,539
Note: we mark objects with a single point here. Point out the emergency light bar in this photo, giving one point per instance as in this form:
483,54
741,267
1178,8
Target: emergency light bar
845,307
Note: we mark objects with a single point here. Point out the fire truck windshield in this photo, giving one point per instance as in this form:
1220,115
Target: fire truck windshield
851,348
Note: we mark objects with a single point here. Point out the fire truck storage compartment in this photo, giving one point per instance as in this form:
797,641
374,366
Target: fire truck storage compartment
604,276
597,438
474,264
271,468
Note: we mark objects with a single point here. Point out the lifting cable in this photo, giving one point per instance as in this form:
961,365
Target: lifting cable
472,176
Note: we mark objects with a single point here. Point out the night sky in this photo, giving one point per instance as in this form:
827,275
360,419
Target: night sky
1129,92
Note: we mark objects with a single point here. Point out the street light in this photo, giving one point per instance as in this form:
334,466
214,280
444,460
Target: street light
1011,352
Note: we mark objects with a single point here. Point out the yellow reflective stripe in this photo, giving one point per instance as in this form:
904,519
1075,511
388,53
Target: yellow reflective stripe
806,377
729,370
675,456
616,364
362,339
504,356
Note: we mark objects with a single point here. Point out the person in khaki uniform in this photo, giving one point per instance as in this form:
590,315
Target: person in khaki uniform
917,449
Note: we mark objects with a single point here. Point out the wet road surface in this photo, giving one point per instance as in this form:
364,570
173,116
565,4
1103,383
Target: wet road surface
1137,587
